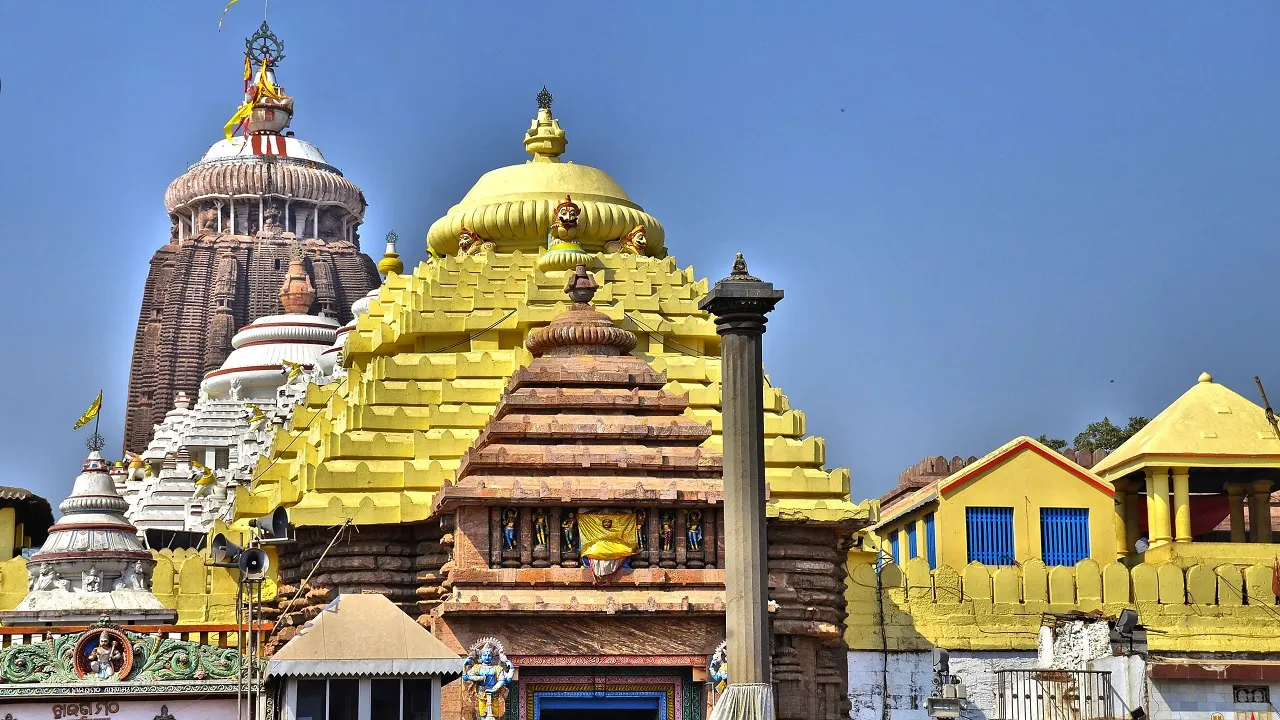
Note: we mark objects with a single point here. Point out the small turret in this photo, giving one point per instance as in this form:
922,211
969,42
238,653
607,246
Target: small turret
391,264
296,292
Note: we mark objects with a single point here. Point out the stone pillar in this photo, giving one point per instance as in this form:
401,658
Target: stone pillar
1132,518
1158,506
1182,505
1121,520
1235,499
904,547
740,303
1260,511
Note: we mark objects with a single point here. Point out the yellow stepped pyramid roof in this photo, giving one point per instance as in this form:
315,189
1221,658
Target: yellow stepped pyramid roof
428,363
1209,425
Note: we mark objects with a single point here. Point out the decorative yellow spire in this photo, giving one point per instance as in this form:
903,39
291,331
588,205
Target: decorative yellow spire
545,140
390,264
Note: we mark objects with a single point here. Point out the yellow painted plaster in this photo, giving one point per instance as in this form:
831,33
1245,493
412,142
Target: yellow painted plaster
1018,475
428,364
1195,609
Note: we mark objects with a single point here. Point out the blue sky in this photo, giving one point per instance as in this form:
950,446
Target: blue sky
990,219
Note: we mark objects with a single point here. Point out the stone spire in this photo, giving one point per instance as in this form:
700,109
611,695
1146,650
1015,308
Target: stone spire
296,292
92,563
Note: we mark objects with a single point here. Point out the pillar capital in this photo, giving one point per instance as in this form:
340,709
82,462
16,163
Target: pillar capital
1261,486
740,301
1235,490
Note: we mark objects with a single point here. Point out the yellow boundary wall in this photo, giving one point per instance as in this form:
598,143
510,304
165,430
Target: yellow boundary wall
1197,609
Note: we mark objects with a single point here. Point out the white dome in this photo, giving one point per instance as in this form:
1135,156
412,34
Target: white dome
256,364
235,148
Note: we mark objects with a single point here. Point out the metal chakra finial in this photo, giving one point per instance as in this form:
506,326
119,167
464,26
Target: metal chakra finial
544,99
264,44
392,239
95,442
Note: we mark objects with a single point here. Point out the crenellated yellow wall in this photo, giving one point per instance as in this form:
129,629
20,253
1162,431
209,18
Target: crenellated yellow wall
376,446
1199,609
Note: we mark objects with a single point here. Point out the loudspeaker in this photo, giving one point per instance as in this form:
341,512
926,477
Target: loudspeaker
1127,623
253,564
941,661
225,553
274,526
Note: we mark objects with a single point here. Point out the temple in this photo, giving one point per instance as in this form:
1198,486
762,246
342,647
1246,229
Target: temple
237,215
426,371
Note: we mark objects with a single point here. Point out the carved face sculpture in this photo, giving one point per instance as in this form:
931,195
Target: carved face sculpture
486,655
567,214
637,239
468,241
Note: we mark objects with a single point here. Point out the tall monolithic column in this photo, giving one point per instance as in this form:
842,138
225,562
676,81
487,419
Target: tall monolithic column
740,303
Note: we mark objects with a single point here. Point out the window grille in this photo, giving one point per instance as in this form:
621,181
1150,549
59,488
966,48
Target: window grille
931,547
1064,535
990,535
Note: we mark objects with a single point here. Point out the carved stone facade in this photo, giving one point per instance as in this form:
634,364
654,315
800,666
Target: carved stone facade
201,291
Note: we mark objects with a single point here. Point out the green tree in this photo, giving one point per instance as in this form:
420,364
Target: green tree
1056,443
1106,435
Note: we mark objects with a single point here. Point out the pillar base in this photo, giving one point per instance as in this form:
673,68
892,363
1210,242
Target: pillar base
744,702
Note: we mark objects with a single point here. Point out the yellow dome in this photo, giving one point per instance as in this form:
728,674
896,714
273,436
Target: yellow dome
513,206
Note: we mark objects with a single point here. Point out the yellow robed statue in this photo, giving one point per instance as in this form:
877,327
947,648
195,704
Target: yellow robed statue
608,539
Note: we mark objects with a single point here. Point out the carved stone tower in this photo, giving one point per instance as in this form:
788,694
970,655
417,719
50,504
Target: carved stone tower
237,215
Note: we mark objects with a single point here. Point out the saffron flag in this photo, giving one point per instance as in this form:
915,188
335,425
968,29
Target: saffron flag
607,536
224,13
242,114
291,370
91,413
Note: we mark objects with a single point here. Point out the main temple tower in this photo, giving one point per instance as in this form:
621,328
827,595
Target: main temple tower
235,216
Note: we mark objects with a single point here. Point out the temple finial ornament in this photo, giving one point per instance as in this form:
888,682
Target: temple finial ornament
545,140
581,287
264,45
486,674
391,264
739,265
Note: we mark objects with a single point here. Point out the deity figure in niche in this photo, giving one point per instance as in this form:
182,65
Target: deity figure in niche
642,530
105,656
44,580
486,674
509,517
667,532
540,527
569,531
91,581
694,530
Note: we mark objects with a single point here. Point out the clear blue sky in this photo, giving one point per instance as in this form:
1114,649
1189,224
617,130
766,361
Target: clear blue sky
983,213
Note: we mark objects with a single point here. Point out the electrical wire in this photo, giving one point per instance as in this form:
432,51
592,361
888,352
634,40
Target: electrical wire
303,585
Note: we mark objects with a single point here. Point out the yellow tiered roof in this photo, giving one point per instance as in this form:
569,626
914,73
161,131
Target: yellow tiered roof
1209,425
428,363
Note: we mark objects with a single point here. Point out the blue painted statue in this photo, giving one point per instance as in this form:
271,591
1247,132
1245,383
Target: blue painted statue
509,528
694,530
718,667
486,674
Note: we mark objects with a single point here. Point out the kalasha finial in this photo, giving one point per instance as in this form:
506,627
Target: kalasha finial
739,265
264,45
544,99
581,287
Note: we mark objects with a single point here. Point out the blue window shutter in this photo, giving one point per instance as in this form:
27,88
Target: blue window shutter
1064,535
911,542
930,544
897,558
989,533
